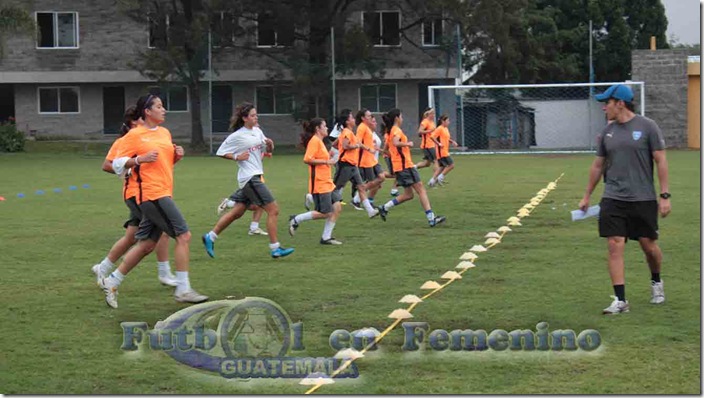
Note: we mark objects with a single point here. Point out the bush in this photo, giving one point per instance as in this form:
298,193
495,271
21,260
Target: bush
11,139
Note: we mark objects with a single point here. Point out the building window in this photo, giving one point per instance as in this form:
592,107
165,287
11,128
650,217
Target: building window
432,32
377,97
274,33
174,98
59,100
158,31
274,100
383,27
57,29
223,29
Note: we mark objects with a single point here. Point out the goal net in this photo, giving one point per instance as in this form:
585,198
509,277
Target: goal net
526,118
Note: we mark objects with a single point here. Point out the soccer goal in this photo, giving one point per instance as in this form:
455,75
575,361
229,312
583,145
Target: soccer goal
526,118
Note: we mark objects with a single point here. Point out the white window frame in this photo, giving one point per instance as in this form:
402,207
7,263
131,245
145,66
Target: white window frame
56,28
274,89
57,88
276,37
381,26
149,35
359,96
166,90
435,39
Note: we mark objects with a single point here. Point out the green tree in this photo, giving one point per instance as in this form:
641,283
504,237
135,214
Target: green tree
13,20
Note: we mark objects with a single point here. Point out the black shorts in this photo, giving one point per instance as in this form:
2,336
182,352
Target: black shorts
389,165
370,173
631,220
429,154
346,172
324,201
135,213
160,216
254,192
446,161
407,177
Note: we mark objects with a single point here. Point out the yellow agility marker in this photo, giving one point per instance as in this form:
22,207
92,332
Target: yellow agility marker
515,223
552,186
492,242
469,256
452,275
528,206
465,265
504,229
478,248
510,219
543,192
349,353
430,285
400,313
316,379
522,213
492,235
535,202
410,299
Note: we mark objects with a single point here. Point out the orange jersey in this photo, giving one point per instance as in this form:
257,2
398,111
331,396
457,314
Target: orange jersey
366,138
320,178
129,188
350,156
156,178
442,134
426,142
400,157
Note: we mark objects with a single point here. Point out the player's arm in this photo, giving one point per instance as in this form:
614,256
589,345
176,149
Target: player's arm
398,144
422,130
663,177
595,172
107,166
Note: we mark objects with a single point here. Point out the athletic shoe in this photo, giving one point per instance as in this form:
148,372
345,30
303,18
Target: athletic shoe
658,293
394,192
222,207
281,252
110,293
97,270
331,241
356,205
209,245
437,220
382,212
292,225
431,184
168,280
617,307
257,231
375,212
190,296
308,202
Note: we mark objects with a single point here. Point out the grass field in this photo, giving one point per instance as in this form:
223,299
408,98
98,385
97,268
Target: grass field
60,337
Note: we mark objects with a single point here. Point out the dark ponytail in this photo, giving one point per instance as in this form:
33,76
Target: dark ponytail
127,120
309,128
242,111
359,117
389,118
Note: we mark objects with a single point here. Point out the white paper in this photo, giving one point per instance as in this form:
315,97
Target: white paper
578,214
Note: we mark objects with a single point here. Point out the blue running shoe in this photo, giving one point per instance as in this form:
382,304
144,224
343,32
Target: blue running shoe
281,252
209,245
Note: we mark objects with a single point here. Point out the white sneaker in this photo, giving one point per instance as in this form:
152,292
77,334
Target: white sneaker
374,213
190,296
658,293
222,207
617,307
168,280
257,231
98,271
110,293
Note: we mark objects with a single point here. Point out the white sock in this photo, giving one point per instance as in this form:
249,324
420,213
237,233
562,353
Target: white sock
106,266
441,177
182,283
327,230
115,278
368,207
389,205
356,197
274,246
430,215
253,225
164,267
303,217
212,235
230,204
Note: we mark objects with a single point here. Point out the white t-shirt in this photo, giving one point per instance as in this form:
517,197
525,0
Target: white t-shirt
377,144
241,141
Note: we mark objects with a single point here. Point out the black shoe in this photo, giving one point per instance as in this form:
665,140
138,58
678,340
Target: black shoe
331,241
437,220
382,212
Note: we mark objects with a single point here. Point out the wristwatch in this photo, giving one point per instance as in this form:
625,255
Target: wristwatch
665,195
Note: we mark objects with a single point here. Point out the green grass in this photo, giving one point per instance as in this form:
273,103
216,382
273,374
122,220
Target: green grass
60,337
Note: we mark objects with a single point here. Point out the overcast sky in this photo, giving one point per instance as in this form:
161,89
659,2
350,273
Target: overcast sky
683,17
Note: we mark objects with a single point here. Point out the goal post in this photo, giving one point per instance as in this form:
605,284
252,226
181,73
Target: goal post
526,118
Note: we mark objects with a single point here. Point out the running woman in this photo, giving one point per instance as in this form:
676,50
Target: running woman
427,144
406,173
441,136
369,167
247,146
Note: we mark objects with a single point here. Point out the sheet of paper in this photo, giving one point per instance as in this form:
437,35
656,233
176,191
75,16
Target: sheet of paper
578,214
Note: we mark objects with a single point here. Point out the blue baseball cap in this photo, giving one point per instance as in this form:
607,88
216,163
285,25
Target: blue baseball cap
617,91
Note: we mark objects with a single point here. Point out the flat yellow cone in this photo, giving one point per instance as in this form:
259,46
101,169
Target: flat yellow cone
451,275
515,223
504,229
492,235
528,206
492,241
469,256
543,192
514,218
410,299
430,285
537,197
349,353
400,313
552,185
465,265
478,248
535,202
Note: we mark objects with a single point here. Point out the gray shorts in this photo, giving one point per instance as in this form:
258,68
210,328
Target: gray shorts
389,165
370,173
254,192
407,177
429,154
346,172
446,161
160,216
324,201
135,213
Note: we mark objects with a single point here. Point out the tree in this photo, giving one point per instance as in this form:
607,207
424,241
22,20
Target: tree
13,20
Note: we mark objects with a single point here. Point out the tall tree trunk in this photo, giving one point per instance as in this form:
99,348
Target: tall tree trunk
197,142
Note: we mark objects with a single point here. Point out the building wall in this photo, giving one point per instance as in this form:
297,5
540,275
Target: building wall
665,75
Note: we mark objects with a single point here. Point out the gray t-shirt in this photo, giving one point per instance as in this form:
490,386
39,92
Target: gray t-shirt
245,140
628,149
